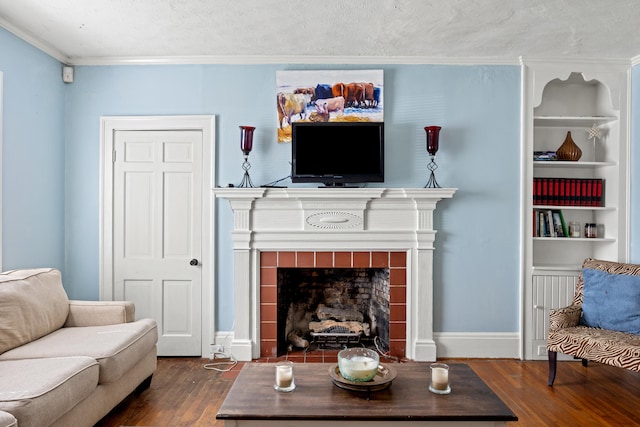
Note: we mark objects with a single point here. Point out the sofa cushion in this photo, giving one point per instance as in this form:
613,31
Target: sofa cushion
117,348
39,391
599,345
611,301
33,303
7,420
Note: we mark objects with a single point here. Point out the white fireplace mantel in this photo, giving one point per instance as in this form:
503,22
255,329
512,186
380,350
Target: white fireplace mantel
319,219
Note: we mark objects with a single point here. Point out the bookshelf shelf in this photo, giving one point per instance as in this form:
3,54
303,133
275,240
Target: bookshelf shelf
577,208
563,164
571,121
576,239
555,268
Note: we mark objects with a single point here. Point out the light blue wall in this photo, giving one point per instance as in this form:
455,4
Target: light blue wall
478,108
32,157
52,138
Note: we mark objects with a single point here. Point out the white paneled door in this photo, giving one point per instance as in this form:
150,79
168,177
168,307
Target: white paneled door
157,209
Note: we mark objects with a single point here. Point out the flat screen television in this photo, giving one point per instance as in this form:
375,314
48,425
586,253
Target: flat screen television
337,153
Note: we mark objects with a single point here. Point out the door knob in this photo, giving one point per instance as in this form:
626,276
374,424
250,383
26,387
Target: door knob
193,262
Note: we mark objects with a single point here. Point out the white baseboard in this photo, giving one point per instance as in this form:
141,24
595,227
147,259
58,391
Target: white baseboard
450,344
224,338
478,345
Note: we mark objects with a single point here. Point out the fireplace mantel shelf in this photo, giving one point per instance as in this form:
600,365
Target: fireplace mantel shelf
334,219
232,193
374,210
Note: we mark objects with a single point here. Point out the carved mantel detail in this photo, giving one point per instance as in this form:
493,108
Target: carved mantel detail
334,220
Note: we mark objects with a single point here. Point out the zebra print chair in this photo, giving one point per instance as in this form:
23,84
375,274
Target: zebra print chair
567,336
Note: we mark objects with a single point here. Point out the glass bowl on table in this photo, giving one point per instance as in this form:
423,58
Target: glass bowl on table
358,364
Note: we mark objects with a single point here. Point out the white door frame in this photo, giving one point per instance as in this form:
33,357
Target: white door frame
206,124
1,149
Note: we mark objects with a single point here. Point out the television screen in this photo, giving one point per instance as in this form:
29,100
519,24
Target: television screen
334,153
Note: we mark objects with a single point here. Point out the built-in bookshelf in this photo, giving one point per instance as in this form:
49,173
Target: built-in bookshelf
585,99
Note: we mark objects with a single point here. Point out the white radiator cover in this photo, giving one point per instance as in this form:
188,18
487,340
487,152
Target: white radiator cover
552,290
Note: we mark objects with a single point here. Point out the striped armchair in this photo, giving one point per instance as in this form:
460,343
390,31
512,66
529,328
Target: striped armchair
567,336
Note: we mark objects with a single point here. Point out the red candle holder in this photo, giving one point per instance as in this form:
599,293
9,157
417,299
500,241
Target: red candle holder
433,136
246,139
246,145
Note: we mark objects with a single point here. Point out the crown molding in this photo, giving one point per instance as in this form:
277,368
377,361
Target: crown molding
292,59
33,41
343,60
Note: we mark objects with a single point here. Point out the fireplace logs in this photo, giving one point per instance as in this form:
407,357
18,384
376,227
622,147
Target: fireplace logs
336,327
342,327
333,307
296,340
323,313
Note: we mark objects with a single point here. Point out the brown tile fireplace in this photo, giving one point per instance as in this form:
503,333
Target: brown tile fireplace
334,228
272,325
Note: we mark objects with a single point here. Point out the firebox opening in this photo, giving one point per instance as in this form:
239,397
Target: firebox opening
332,308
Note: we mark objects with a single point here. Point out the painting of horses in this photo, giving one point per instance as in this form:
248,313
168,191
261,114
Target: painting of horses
327,96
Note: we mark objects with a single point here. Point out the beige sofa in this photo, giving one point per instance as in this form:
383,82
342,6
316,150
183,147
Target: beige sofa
67,363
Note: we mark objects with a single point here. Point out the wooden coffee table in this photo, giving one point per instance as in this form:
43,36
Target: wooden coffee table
316,401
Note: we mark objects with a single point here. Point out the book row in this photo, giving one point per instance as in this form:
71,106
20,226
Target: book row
568,192
549,223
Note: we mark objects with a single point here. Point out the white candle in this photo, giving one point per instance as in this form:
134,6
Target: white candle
440,378
574,229
284,376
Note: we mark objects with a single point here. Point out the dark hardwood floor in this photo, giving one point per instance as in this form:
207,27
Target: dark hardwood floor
184,393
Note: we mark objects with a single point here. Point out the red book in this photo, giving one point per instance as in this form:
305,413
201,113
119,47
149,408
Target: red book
574,193
549,198
599,185
589,198
539,185
556,191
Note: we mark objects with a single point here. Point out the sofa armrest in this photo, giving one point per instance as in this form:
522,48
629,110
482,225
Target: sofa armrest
97,313
565,317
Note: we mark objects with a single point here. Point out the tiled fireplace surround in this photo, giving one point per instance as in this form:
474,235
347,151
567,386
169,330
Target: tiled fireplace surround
333,228
396,262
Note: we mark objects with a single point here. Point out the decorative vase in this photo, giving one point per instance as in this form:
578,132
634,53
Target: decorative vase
569,150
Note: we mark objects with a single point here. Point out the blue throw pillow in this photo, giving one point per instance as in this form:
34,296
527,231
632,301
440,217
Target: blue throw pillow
611,301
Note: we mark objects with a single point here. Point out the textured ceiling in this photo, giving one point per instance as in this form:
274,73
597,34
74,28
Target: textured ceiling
78,31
